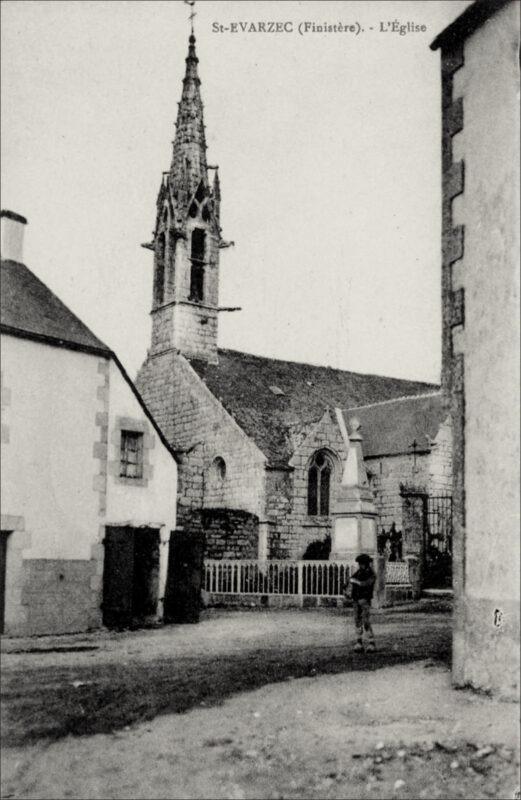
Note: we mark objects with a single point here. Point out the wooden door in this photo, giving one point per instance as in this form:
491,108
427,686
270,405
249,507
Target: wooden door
118,573
3,560
145,574
185,573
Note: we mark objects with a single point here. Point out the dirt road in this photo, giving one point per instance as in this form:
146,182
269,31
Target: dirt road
355,727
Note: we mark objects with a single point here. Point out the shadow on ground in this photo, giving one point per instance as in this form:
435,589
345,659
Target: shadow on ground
51,702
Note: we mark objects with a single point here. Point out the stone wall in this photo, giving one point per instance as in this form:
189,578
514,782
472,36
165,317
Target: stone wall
439,467
230,533
291,529
387,474
201,431
429,471
57,597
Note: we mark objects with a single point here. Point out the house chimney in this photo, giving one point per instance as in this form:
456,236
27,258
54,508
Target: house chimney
12,236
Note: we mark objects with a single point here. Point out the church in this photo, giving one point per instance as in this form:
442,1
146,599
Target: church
257,439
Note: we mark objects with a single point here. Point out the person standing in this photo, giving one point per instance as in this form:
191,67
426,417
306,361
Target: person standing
362,587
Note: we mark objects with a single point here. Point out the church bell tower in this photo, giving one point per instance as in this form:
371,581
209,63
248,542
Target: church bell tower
187,236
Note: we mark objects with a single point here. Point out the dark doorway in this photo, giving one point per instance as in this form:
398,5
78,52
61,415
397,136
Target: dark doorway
3,562
185,572
130,576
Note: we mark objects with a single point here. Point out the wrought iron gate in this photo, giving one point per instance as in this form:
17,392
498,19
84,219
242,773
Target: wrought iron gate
438,541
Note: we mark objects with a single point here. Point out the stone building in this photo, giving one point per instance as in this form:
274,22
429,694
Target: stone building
258,440
88,480
407,446
480,284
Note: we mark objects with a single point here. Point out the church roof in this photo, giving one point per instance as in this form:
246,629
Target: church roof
30,309
391,427
273,400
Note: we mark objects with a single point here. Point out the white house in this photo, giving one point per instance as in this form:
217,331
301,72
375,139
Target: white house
88,481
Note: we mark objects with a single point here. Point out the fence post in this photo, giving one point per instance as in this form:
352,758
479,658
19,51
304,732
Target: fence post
414,576
300,584
379,595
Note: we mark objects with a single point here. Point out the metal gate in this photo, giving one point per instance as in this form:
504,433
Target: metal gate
438,541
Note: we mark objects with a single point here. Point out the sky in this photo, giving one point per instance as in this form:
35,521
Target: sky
328,146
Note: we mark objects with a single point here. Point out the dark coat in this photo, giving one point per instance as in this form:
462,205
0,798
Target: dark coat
362,584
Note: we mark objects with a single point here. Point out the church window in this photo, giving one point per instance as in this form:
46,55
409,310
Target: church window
319,484
205,213
159,282
218,469
131,454
199,195
193,210
197,270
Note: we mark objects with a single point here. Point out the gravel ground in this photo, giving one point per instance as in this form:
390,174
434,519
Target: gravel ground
365,730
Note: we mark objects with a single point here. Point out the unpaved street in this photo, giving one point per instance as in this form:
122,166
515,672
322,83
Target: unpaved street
366,729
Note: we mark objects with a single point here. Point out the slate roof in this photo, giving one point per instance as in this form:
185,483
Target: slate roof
472,18
391,427
29,308
242,382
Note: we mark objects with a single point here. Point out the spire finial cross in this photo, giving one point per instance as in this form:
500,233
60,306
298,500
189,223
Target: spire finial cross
193,13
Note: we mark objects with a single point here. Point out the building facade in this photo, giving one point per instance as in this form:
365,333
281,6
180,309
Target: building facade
480,285
258,441
88,480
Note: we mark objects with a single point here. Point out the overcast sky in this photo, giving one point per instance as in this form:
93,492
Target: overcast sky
329,152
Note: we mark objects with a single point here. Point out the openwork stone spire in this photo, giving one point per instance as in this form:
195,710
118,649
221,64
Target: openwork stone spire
187,236
189,165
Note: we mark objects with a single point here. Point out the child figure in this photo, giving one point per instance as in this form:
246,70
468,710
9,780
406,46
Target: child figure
362,586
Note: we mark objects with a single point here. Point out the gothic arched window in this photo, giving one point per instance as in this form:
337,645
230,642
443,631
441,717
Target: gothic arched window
159,282
200,193
197,271
319,484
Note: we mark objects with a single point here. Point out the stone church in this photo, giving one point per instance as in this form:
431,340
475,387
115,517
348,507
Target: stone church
258,440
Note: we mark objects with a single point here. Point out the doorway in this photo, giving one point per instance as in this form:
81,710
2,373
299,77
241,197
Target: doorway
185,574
130,576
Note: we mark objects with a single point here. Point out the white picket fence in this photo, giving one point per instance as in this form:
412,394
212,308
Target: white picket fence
322,578
285,577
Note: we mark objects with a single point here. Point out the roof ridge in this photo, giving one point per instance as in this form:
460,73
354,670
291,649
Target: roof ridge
397,400
323,366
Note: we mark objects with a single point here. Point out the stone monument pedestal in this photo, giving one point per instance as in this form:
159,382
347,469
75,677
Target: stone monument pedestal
354,514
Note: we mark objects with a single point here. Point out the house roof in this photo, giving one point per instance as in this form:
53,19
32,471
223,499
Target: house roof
30,309
469,21
391,427
274,400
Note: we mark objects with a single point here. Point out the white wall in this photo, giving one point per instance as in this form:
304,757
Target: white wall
61,484
47,463
489,271
155,503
